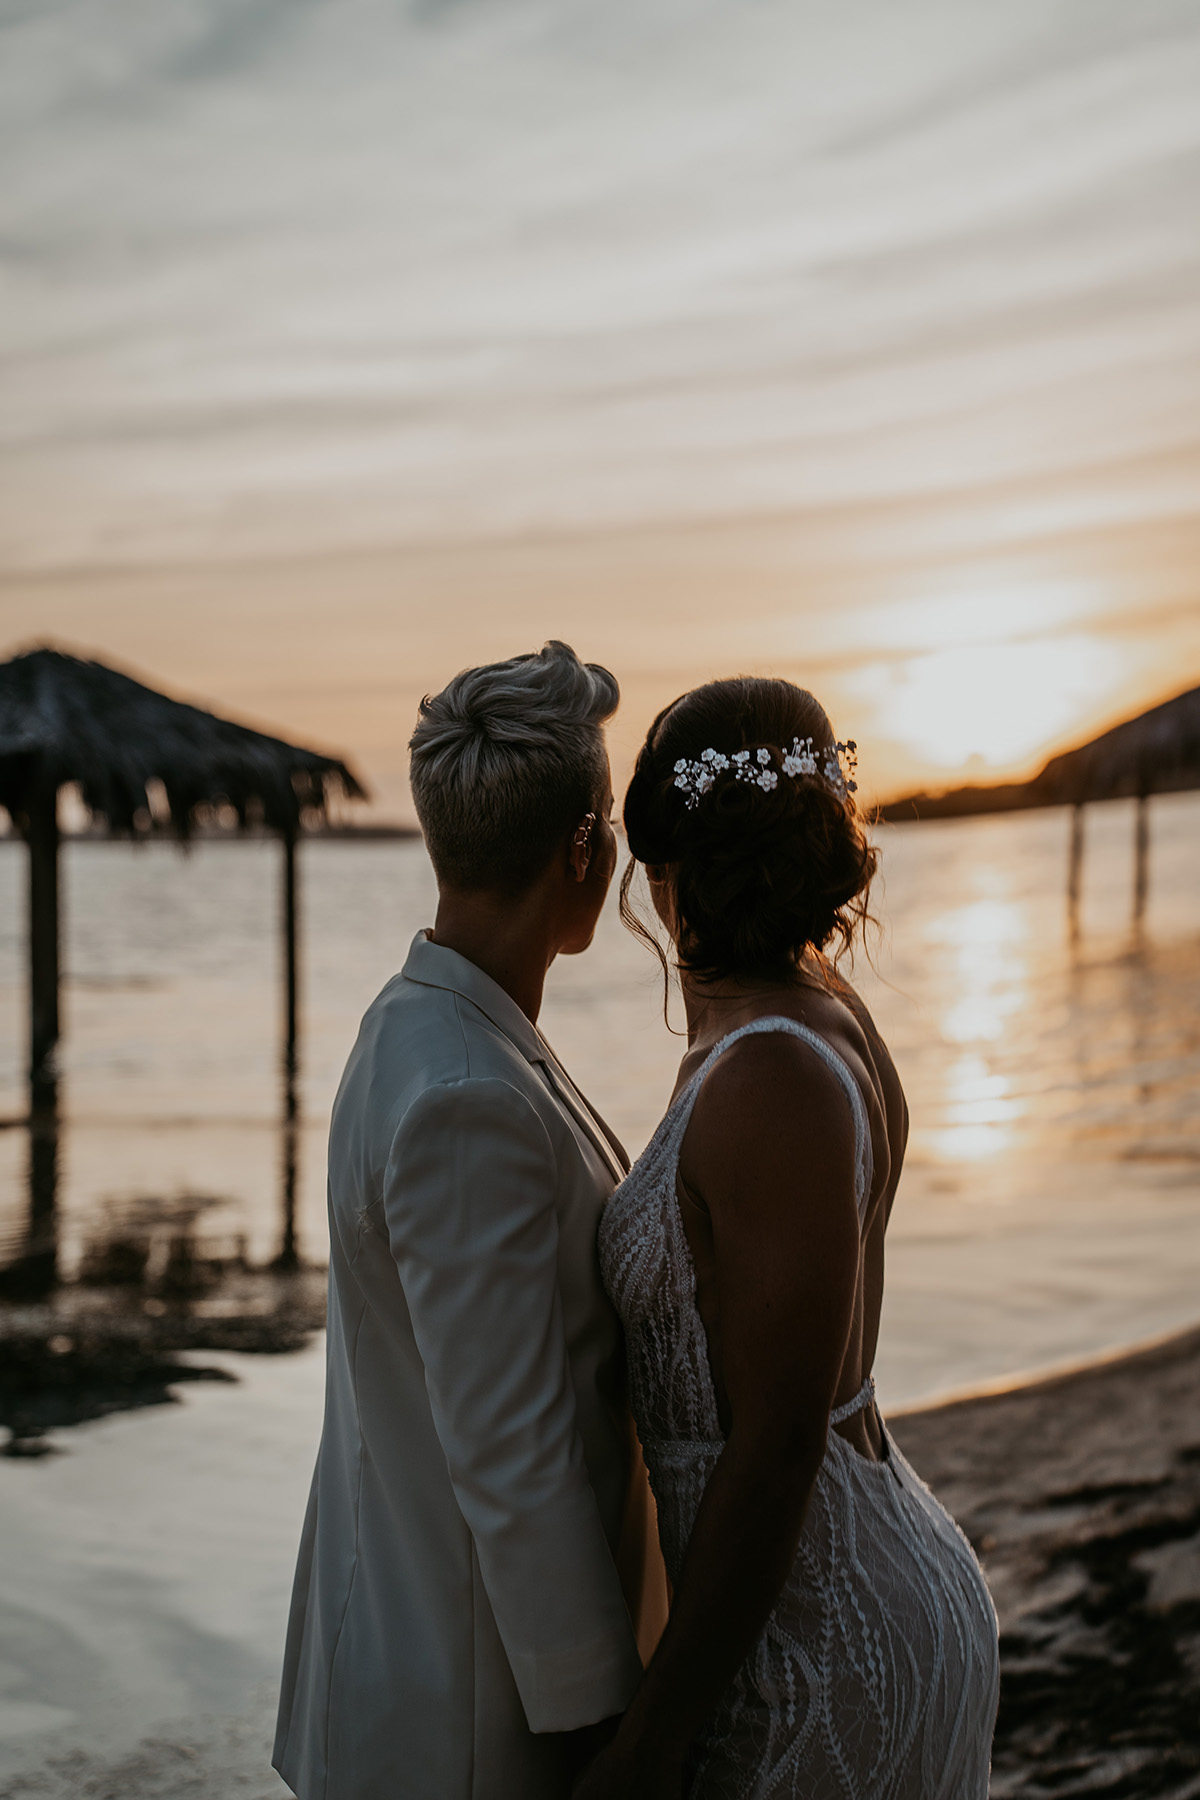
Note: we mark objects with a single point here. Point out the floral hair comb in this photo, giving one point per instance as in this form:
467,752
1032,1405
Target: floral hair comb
694,779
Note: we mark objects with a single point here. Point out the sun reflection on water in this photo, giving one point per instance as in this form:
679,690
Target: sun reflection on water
985,947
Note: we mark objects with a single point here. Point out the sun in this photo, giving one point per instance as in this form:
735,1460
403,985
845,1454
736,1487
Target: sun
1000,704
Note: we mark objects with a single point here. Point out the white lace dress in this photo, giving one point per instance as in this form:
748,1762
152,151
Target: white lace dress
876,1674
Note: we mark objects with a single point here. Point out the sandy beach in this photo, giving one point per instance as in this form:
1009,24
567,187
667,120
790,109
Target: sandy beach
140,1618
1081,1493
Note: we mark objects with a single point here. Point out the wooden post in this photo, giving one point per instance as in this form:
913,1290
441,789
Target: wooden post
289,945
39,1265
1141,859
35,1271
33,1275
288,1257
42,834
1075,867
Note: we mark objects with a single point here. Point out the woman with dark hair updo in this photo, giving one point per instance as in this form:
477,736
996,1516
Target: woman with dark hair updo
830,1636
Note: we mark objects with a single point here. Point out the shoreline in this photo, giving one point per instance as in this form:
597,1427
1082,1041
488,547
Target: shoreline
1080,1491
1043,1375
1079,1488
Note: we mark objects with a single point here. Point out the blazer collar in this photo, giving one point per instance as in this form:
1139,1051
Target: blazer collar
433,965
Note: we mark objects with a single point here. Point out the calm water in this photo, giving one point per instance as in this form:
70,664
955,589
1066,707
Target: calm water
1051,1202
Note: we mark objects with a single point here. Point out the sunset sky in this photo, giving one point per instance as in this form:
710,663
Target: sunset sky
344,342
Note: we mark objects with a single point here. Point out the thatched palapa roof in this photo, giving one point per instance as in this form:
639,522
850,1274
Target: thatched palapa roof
1156,753
63,719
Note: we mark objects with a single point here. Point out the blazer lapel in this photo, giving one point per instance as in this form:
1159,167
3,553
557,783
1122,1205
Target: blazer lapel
590,1123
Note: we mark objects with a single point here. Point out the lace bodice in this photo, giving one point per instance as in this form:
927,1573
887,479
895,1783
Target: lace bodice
875,1675
648,1266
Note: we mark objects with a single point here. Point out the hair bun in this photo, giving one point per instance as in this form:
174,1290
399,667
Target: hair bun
760,873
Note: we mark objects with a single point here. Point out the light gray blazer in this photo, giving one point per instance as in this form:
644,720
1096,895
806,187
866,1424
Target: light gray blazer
456,1593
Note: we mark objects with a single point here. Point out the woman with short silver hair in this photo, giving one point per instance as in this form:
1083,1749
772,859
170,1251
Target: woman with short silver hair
459,1628
507,761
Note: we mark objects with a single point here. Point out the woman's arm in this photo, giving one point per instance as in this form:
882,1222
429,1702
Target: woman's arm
771,1151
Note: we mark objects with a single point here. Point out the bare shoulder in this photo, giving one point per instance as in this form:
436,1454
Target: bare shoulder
777,1063
886,1102
771,1096
864,1030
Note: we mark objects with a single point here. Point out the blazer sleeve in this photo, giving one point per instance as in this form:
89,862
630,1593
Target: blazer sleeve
470,1205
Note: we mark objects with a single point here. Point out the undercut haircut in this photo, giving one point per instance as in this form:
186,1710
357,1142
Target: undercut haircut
506,761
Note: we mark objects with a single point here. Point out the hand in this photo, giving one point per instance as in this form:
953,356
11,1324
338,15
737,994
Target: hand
623,1772
578,1748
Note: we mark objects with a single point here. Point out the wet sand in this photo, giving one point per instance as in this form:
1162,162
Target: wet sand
1082,1496
141,1613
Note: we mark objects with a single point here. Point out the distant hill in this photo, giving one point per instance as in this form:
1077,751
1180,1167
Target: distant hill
1157,752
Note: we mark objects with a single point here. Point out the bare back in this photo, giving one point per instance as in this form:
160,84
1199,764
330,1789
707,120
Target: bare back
835,1014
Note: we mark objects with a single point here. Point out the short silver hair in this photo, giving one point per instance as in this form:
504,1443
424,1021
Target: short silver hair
506,760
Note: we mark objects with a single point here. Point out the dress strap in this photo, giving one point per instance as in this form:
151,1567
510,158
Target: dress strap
864,1397
863,1162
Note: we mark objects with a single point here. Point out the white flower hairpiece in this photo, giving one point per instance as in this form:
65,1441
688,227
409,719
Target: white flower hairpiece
694,779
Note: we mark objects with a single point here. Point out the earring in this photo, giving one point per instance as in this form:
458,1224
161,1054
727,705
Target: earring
583,836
